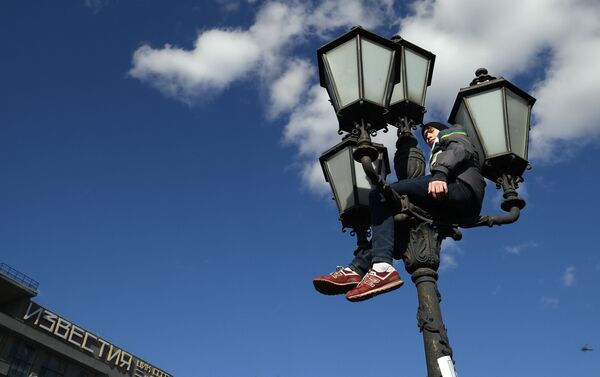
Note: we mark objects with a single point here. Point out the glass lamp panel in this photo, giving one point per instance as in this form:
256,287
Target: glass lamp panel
377,63
362,182
518,123
343,65
335,101
416,76
398,93
339,167
488,116
463,118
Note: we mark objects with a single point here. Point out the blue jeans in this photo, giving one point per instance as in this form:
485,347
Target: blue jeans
460,202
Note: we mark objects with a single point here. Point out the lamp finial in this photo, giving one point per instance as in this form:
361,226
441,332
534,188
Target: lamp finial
481,76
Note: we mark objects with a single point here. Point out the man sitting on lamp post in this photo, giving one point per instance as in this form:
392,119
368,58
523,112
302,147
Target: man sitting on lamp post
454,188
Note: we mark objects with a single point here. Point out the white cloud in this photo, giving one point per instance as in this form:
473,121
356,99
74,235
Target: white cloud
449,254
312,127
287,91
312,175
568,277
517,249
447,262
333,14
220,56
550,302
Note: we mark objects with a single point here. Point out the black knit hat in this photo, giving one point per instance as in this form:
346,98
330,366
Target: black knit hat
436,125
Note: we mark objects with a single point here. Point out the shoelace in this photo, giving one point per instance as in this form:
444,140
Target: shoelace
371,279
337,271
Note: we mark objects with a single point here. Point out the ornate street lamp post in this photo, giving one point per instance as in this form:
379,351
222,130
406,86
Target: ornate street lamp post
372,81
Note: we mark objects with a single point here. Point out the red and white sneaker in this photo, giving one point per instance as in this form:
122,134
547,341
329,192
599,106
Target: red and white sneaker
340,281
375,283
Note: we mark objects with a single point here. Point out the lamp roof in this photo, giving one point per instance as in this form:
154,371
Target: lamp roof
356,30
421,51
490,84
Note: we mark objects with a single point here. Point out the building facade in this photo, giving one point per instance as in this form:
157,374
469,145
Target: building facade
37,342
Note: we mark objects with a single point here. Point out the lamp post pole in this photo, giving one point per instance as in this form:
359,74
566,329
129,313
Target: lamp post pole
421,258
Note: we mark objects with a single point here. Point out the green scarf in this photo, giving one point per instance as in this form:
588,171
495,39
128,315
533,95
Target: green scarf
436,148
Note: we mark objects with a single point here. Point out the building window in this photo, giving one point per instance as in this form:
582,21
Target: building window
21,359
54,367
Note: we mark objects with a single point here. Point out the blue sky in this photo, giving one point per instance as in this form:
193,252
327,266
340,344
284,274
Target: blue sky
157,161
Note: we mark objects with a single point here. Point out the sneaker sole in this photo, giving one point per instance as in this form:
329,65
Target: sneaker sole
367,295
328,288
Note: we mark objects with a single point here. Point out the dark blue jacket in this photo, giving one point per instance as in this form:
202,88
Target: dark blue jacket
458,160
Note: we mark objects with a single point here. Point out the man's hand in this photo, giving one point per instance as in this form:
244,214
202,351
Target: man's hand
438,189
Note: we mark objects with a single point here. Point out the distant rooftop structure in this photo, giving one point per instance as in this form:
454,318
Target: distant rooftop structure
18,277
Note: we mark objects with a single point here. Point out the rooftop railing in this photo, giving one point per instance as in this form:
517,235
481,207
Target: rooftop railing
18,276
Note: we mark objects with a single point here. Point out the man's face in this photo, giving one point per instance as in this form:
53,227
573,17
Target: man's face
430,135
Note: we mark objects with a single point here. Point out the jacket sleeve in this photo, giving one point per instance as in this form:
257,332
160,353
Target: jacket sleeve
457,151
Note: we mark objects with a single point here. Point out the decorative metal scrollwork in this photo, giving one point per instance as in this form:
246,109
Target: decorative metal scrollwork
428,322
423,248
425,319
508,182
367,232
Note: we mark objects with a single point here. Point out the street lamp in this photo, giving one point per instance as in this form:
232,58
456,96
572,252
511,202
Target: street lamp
350,184
496,115
359,70
407,106
408,96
